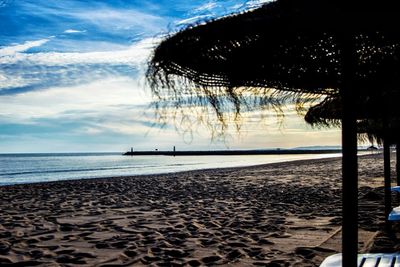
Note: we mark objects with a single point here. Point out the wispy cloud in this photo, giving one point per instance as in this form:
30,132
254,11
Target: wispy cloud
256,3
4,3
71,75
104,96
24,72
215,9
206,7
74,31
15,80
18,48
192,20
111,18
101,16
134,54
111,110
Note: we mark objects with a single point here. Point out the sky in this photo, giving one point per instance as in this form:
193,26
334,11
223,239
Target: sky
72,79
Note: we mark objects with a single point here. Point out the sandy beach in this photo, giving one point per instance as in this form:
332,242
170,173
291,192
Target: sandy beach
283,214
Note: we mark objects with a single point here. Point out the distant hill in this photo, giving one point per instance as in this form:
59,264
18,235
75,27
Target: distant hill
326,147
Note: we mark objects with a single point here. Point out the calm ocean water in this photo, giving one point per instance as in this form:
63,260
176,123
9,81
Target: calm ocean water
31,168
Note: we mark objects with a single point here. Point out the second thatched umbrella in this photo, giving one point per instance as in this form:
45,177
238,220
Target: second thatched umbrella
290,48
369,126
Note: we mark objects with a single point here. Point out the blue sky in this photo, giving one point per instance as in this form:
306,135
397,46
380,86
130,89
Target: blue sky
72,78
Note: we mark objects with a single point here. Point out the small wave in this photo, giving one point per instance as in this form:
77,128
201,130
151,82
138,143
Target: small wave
67,170
182,164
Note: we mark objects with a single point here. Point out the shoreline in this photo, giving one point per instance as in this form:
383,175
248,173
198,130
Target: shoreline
300,161
278,213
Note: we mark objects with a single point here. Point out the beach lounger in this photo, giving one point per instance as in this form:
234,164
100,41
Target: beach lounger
394,215
396,188
365,260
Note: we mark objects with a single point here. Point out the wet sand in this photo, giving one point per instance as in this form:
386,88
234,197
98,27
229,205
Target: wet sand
284,214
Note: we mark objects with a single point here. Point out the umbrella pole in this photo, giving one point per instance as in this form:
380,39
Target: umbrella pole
398,163
350,190
349,157
386,170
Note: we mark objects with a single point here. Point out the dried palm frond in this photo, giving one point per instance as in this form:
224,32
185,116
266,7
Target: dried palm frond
287,51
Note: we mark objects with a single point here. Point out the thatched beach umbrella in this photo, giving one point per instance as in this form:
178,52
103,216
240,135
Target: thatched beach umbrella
290,48
384,131
378,118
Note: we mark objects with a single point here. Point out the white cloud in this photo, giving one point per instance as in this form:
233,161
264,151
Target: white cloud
192,20
206,7
104,96
74,31
132,55
48,69
117,105
90,130
111,18
18,48
101,14
128,127
257,3
7,81
201,13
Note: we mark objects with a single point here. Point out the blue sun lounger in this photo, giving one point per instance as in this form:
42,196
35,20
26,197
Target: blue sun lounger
365,260
395,213
396,188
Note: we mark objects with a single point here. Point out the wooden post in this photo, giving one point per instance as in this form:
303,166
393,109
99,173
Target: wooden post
386,170
349,94
398,163
350,188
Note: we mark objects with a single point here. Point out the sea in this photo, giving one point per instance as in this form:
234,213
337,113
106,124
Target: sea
45,167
